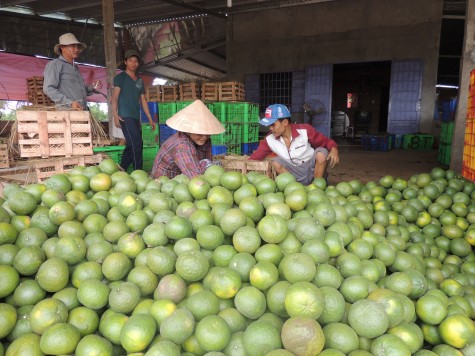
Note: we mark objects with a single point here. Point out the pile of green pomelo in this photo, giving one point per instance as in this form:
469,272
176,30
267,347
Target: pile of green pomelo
102,262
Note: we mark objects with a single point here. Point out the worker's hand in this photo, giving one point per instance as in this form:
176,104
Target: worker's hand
333,157
117,120
76,105
152,124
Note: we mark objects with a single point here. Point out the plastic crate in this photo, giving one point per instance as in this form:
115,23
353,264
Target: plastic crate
219,110
249,148
114,152
149,153
376,143
250,132
165,132
182,104
232,135
149,136
234,149
153,108
445,151
243,112
446,132
218,150
418,142
166,111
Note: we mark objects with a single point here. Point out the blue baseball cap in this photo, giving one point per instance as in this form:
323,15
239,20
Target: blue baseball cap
273,113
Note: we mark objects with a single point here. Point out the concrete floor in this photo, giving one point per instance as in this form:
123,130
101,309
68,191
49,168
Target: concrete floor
372,165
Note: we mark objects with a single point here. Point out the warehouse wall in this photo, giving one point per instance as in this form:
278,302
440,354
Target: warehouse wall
290,39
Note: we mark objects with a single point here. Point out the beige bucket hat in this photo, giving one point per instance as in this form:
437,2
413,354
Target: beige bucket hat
197,119
66,40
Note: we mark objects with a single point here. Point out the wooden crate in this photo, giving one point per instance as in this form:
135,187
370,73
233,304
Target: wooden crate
189,91
48,167
54,133
169,93
4,163
35,92
231,91
153,93
244,165
209,91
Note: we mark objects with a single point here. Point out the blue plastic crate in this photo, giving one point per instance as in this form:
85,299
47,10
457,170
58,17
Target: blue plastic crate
249,148
165,132
218,150
153,108
375,143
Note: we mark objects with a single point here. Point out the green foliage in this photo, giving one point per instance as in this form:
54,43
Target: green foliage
97,112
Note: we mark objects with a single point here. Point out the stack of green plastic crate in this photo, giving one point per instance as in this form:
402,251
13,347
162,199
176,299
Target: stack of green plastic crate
114,152
445,145
240,119
149,153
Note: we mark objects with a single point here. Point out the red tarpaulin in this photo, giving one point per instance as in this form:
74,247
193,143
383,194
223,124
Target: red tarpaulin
15,68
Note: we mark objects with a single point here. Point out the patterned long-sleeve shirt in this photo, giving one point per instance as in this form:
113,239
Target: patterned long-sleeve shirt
180,155
63,83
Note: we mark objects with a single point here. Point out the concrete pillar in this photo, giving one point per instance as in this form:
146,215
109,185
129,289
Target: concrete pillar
466,66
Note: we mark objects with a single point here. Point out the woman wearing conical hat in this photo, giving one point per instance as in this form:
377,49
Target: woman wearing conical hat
188,151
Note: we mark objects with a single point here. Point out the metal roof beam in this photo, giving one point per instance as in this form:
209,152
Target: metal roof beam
195,8
202,64
8,3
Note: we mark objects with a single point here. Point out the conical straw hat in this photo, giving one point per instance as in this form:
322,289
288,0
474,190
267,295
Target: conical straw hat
197,119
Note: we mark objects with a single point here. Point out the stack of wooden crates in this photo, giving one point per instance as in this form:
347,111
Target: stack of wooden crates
55,141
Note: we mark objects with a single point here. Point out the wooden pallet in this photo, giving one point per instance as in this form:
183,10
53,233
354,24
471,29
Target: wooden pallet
35,92
54,133
153,93
169,93
46,168
210,91
189,91
4,162
244,165
231,91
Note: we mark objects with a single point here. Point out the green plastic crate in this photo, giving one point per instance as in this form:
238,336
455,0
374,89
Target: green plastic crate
182,104
149,153
232,135
445,151
149,136
166,111
234,149
219,109
446,132
418,142
114,152
243,112
250,132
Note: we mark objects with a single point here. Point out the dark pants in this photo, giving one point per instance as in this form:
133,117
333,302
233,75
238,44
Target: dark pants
132,154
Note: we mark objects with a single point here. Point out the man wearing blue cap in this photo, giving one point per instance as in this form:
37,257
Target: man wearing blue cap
300,149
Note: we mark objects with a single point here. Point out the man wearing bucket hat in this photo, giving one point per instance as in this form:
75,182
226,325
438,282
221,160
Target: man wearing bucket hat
63,82
188,151
128,95
300,149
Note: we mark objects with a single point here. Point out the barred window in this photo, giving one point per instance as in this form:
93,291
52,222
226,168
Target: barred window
275,88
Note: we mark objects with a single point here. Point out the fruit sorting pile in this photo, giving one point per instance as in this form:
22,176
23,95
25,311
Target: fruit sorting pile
98,261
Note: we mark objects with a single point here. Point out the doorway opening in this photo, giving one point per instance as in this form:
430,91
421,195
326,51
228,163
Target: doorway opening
360,98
